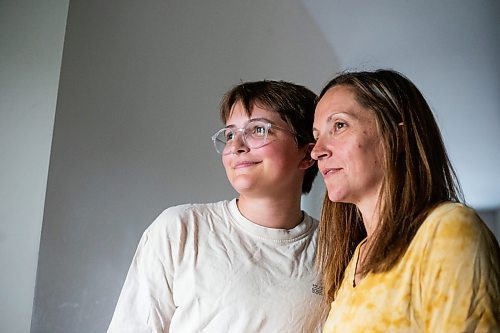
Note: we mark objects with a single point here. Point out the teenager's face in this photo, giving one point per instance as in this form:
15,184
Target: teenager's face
348,147
277,168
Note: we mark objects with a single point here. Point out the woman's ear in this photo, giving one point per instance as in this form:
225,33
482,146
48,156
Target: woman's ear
399,136
307,161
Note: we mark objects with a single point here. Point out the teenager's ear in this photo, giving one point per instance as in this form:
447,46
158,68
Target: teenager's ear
307,161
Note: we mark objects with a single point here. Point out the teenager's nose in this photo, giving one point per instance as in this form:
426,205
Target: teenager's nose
238,145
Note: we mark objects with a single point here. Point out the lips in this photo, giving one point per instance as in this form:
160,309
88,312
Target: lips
244,164
330,171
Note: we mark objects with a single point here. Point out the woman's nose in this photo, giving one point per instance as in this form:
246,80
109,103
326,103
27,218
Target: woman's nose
319,151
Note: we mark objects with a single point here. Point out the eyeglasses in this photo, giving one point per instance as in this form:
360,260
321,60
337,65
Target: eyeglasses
254,134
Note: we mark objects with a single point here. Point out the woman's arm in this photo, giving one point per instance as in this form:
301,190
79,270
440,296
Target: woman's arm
460,274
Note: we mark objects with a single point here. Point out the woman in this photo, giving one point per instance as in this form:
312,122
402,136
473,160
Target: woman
397,250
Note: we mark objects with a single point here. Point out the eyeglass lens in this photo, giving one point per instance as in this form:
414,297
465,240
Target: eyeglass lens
254,135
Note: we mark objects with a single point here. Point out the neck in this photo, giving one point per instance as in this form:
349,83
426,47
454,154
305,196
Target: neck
371,218
277,213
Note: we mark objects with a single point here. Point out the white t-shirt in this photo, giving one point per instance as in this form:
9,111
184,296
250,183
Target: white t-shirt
206,268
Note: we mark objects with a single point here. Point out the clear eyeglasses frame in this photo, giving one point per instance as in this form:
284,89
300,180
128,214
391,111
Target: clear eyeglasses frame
254,134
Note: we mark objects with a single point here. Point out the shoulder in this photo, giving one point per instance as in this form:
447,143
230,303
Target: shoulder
188,211
181,224
314,222
315,228
309,228
455,228
453,220
181,216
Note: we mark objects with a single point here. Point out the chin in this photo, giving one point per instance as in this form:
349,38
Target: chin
335,196
241,186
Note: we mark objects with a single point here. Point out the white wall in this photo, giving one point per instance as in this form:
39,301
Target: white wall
31,40
139,92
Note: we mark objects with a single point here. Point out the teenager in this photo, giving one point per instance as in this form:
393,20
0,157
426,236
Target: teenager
246,264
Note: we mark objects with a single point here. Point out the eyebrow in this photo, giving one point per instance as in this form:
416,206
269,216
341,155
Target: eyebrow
330,118
261,119
342,114
255,119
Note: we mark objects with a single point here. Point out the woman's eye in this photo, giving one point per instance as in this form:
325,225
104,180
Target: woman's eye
339,125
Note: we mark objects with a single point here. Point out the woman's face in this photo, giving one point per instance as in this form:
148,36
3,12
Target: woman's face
348,148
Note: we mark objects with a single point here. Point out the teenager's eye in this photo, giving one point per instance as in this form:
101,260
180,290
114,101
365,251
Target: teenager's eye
258,131
229,135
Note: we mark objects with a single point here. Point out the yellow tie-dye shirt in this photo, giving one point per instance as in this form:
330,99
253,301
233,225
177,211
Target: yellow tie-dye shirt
447,281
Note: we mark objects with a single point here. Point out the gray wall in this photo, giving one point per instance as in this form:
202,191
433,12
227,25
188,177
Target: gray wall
139,91
492,219
31,42
450,50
